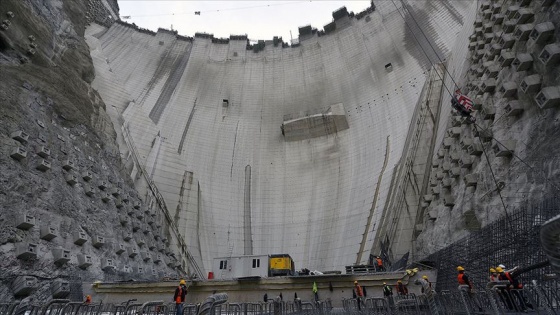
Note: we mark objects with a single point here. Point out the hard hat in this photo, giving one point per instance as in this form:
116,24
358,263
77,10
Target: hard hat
502,266
88,296
355,281
182,282
425,277
399,281
377,257
460,268
499,269
492,270
384,282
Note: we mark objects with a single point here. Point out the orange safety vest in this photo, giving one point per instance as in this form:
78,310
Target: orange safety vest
359,291
88,299
493,278
178,298
460,279
379,262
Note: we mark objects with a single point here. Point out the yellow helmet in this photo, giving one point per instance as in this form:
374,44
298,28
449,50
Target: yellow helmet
384,282
182,282
492,270
499,269
460,268
425,277
399,281
355,281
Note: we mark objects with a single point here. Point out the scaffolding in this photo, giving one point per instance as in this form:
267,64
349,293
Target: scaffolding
511,243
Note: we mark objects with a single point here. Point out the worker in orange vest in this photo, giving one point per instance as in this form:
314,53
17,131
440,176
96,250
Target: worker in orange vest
463,279
401,288
493,275
179,297
359,295
379,264
88,299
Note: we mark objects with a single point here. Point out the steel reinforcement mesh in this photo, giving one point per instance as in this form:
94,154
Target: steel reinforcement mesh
512,242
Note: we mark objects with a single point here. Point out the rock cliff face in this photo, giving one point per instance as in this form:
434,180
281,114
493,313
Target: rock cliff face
62,181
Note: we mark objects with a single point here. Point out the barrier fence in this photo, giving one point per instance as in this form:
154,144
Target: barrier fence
496,298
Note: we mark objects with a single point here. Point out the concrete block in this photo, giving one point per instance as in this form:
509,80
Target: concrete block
486,14
513,108
471,179
456,132
455,172
125,197
60,256
531,84
140,241
146,228
84,261
138,269
119,248
102,184
80,237
43,165
542,33
24,285
511,11
505,149
68,165
492,71
145,256
506,58
439,175
87,175
132,252
448,200
447,142
523,15
488,85
136,226
477,23
71,179
495,49
105,196
20,136
98,241
18,153
506,41
136,205
454,157
139,215
472,46
48,233
435,163
441,153
151,245
508,89
485,135
26,251
497,18
157,258
88,190
127,236
119,202
550,55
488,36
446,167
25,221
547,3
123,219
130,211
475,149
508,27
60,288
435,191
161,248
465,142
108,264
548,97
488,113
116,191
466,161
522,62
446,183
43,152
496,8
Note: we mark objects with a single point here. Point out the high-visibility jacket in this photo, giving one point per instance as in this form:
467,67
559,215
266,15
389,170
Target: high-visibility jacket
379,262
180,293
514,282
493,278
359,292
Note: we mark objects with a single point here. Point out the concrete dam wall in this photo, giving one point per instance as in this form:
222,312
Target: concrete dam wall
203,118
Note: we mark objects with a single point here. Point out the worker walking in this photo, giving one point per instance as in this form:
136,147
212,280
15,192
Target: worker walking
359,295
388,294
379,264
179,297
401,288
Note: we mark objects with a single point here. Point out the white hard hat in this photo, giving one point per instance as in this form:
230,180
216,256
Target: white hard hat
502,266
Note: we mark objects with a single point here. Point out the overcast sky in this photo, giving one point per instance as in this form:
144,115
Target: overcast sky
257,19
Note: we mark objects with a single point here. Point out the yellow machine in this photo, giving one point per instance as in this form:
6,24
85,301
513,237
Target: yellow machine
281,265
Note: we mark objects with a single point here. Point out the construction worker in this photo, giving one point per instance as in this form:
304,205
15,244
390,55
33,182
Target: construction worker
464,280
426,285
359,295
379,264
493,275
401,288
515,287
88,299
388,294
179,297
315,291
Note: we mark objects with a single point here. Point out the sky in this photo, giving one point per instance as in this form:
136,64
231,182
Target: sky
257,19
